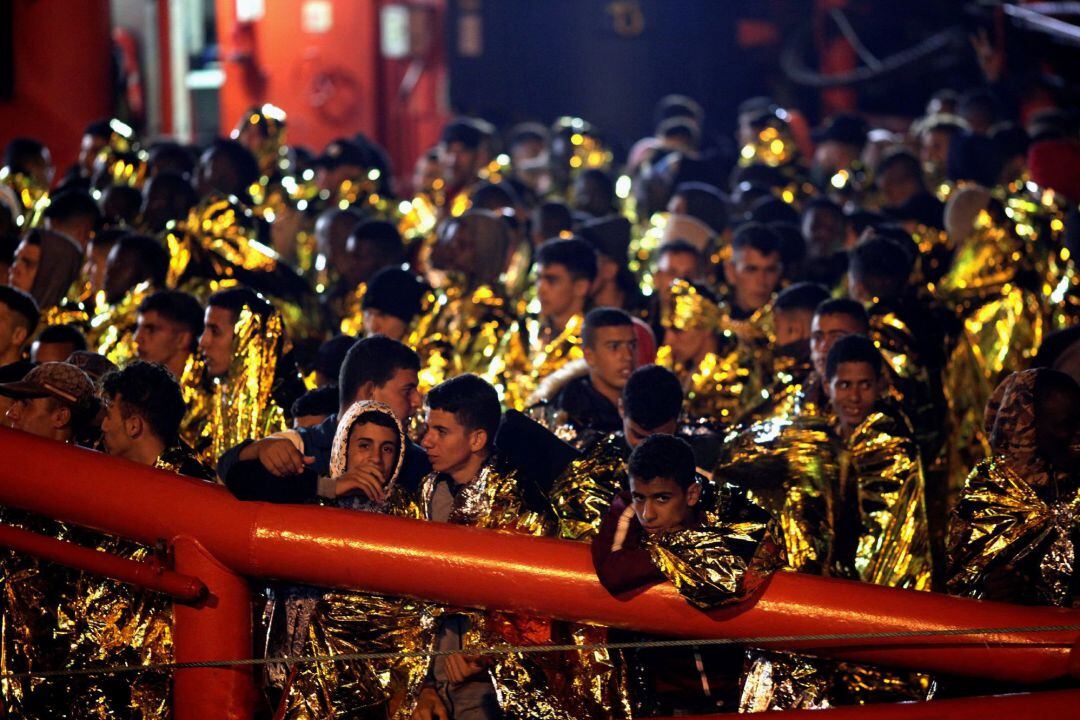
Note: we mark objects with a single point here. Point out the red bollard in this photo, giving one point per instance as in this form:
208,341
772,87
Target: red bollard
218,628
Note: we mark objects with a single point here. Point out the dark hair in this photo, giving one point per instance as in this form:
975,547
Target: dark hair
906,161
63,334
675,105
603,317
852,349
374,359
178,307
73,204
120,204
169,156
150,258
526,132
678,246
792,244
99,128
472,400
493,196
241,160
150,391
396,292
320,401
374,417
181,196
331,356
845,306
679,127
881,265
663,456
704,202
235,299
801,296
757,236
823,203
1050,382
22,305
771,209
20,152
384,239
552,218
576,255
652,396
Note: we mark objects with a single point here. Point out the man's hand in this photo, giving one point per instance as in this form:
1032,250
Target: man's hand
280,457
460,667
429,706
366,478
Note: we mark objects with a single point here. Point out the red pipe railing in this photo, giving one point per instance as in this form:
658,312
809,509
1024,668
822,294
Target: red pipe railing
1022,706
149,575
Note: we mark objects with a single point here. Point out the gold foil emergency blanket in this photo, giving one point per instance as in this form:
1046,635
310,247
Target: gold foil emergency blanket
893,544
526,358
242,407
582,494
219,236
460,333
721,387
32,196
1003,520
789,681
687,309
112,329
788,466
198,398
725,558
352,312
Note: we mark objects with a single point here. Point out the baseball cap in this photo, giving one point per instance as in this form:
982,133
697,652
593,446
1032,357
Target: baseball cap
60,380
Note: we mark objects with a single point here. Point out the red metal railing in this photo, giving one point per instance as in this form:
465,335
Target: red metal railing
464,566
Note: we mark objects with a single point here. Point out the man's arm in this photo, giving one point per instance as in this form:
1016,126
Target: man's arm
622,563
249,480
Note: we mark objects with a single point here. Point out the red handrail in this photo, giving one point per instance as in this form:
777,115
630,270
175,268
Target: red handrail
469,567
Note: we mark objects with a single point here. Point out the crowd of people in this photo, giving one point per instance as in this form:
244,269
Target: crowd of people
849,352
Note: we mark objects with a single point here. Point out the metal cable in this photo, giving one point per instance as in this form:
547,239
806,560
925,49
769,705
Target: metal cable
520,649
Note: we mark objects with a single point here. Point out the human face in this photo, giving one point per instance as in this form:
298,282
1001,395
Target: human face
401,394
825,330
362,261
753,277
611,357
12,334
823,230
688,345
450,445
121,274
454,249
25,268
934,149
459,163
216,340
214,174
50,352
635,434
44,417
94,267
1057,423
372,444
426,172
793,326
853,391
671,267
560,294
89,148
160,340
376,322
114,429
660,504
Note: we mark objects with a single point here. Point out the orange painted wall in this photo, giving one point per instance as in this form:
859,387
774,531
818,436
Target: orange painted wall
61,73
335,83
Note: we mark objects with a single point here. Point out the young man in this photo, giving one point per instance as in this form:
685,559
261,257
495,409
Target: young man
55,400
55,343
75,214
167,197
143,410
832,320
393,300
46,265
314,406
464,149
18,319
614,286
168,326
676,260
254,383
719,373
538,346
370,247
753,272
375,368
226,168
470,485
581,401
134,259
825,230
665,527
